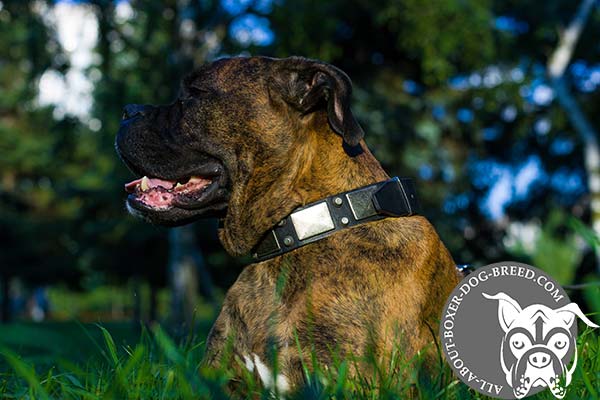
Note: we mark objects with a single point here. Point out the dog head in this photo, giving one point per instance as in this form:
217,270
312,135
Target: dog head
536,344
236,135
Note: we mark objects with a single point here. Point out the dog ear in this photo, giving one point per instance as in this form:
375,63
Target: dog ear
307,85
508,309
570,311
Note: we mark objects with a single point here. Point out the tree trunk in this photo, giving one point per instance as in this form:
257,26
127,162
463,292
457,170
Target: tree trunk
187,272
5,298
153,312
137,300
205,281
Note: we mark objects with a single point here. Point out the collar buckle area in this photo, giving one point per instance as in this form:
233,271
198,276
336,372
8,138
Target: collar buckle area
396,198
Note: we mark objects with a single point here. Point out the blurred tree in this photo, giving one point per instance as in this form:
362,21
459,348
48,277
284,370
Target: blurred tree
454,92
31,213
557,65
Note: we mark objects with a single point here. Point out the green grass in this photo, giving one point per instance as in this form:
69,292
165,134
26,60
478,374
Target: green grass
106,362
44,343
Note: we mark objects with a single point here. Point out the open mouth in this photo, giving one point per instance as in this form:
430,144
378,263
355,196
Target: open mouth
174,202
161,194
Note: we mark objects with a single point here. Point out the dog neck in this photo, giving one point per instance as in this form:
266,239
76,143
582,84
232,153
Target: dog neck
317,165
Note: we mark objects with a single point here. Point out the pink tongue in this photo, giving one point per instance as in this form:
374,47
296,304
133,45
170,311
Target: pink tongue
155,182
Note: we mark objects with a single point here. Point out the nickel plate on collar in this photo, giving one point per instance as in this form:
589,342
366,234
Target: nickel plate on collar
361,202
312,221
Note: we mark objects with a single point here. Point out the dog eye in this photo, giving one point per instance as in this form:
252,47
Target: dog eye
560,344
559,341
517,344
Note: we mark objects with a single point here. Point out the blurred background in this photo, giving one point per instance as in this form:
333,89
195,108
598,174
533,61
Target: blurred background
492,106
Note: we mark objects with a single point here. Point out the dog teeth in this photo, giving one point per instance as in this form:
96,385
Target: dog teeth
144,184
179,185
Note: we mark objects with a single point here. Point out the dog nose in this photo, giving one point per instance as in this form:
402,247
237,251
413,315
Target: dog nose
131,110
539,359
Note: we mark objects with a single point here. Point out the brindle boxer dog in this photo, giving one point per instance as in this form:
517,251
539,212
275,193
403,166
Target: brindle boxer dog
249,140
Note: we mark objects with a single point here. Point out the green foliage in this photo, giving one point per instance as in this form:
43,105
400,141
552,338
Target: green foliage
550,247
404,30
158,368
590,285
466,43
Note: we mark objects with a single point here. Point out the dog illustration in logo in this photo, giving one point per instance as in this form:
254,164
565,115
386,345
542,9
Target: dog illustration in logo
536,343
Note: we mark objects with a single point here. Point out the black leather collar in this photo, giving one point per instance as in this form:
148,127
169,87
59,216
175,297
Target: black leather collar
395,197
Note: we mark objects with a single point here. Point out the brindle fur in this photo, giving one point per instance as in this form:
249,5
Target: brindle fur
285,134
